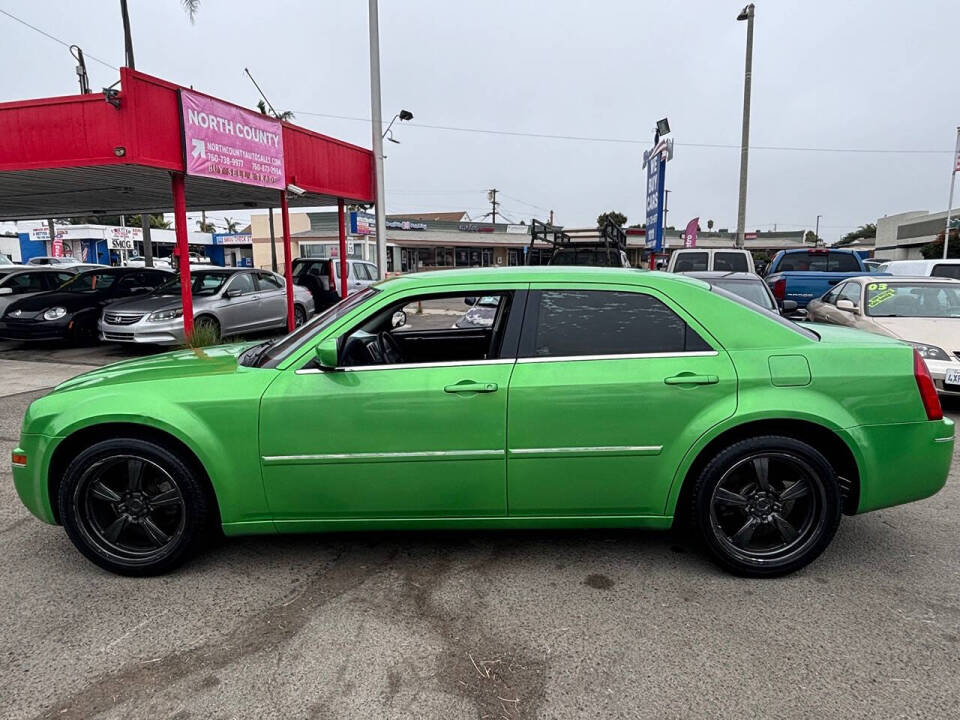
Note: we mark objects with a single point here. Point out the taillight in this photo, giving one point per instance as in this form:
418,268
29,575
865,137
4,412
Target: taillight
780,289
928,391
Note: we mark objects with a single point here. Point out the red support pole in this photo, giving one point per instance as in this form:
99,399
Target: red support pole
183,251
343,249
287,260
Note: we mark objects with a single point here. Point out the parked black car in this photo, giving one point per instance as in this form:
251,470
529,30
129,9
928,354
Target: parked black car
71,311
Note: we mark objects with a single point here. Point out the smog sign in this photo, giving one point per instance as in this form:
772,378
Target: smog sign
115,243
226,142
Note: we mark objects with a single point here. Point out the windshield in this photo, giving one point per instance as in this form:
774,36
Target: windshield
753,290
88,282
202,284
932,300
286,345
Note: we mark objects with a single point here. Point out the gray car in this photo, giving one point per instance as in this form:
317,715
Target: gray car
229,301
20,281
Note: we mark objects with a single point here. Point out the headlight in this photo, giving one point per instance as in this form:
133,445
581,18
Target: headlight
930,352
54,313
165,315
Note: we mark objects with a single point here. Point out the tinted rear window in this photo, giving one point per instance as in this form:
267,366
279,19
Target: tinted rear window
596,322
691,262
819,262
947,271
737,262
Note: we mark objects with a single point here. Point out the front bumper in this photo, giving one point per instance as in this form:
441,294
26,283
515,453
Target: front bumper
30,329
901,462
938,369
167,332
31,480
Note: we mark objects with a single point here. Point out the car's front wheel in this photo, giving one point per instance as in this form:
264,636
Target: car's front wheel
767,506
133,507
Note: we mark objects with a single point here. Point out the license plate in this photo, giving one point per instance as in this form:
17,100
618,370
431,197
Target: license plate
952,377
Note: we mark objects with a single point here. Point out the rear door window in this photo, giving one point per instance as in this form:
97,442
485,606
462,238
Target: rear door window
600,322
735,262
269,281
946,270
691,262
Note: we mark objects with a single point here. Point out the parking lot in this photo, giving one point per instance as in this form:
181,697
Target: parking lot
473,624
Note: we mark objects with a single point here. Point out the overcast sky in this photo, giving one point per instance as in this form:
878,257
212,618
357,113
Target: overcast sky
835,74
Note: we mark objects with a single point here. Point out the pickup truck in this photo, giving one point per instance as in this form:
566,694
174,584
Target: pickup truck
807,273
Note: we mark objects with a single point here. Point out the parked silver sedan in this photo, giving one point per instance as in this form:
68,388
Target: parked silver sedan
228,301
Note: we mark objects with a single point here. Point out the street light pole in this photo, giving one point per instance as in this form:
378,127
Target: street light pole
816,233
376,121
745,14
953,178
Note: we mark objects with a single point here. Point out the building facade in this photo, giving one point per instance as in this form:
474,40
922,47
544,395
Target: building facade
901,236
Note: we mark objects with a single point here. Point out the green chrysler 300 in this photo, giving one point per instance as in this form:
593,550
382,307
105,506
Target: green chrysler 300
577,397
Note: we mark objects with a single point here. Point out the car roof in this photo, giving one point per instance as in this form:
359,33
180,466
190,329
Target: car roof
8,269
722,275
913,280
540,273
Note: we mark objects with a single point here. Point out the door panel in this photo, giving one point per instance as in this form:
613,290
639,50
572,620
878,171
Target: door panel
390,442
242,312
273,301
604,434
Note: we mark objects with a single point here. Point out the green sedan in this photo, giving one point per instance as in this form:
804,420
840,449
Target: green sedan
593,397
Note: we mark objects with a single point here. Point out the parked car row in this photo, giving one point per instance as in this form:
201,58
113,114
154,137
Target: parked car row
141,305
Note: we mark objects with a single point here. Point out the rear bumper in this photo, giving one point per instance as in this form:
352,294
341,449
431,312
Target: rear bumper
937,370
902,462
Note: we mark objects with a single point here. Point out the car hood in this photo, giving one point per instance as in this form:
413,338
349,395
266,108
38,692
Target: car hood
219,360
72,301
942,332
149,303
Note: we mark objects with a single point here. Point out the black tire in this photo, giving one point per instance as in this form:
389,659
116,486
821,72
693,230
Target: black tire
133,507
299,315
205,321
767,506
84,331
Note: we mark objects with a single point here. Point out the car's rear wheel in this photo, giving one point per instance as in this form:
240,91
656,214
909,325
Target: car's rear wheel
767,506
133,507
299,316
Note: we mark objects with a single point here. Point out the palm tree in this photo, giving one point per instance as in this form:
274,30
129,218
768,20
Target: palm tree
286,115
232,225
709,224
190,7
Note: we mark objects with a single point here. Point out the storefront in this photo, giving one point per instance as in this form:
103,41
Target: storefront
232,250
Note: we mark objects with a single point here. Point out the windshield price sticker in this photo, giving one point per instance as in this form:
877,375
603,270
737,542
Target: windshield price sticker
879,293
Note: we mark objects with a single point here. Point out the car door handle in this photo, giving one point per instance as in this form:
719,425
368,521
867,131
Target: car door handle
468,386
691,379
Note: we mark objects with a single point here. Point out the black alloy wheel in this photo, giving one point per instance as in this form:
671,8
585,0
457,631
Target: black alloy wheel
767,506
132,507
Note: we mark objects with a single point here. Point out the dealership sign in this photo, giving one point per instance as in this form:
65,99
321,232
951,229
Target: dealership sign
656,163
233,239
362,223
405,225
226,142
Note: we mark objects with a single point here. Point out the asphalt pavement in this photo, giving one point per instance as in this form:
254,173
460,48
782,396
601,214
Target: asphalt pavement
586,624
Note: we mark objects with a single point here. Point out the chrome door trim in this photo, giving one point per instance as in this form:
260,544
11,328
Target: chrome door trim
339,458
624,356
586,451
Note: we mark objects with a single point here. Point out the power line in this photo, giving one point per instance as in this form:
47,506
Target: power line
55,39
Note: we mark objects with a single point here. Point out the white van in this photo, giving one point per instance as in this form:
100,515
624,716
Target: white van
708,259
922,268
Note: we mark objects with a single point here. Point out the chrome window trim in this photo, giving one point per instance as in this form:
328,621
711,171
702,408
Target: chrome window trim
943,439
408,366
623,356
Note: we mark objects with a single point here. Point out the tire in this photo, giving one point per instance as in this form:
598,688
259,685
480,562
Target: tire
767,506
299,316
132,507
212,323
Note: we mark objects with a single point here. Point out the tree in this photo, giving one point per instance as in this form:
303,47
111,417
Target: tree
232,225
811,237
156,221
934,250
286,115
868,230
709,224
617,218
206,227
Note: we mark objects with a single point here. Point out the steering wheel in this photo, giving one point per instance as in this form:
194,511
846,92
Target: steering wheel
390,351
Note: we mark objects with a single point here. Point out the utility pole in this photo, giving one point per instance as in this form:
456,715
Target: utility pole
376,121
127,38
551,217
273,244
953,178
492,197
816,233
147,243
745,14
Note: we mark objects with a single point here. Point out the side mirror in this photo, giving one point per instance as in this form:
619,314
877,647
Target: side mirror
788,305
399,319
471,301
846,305
231,294
6,291
327,354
